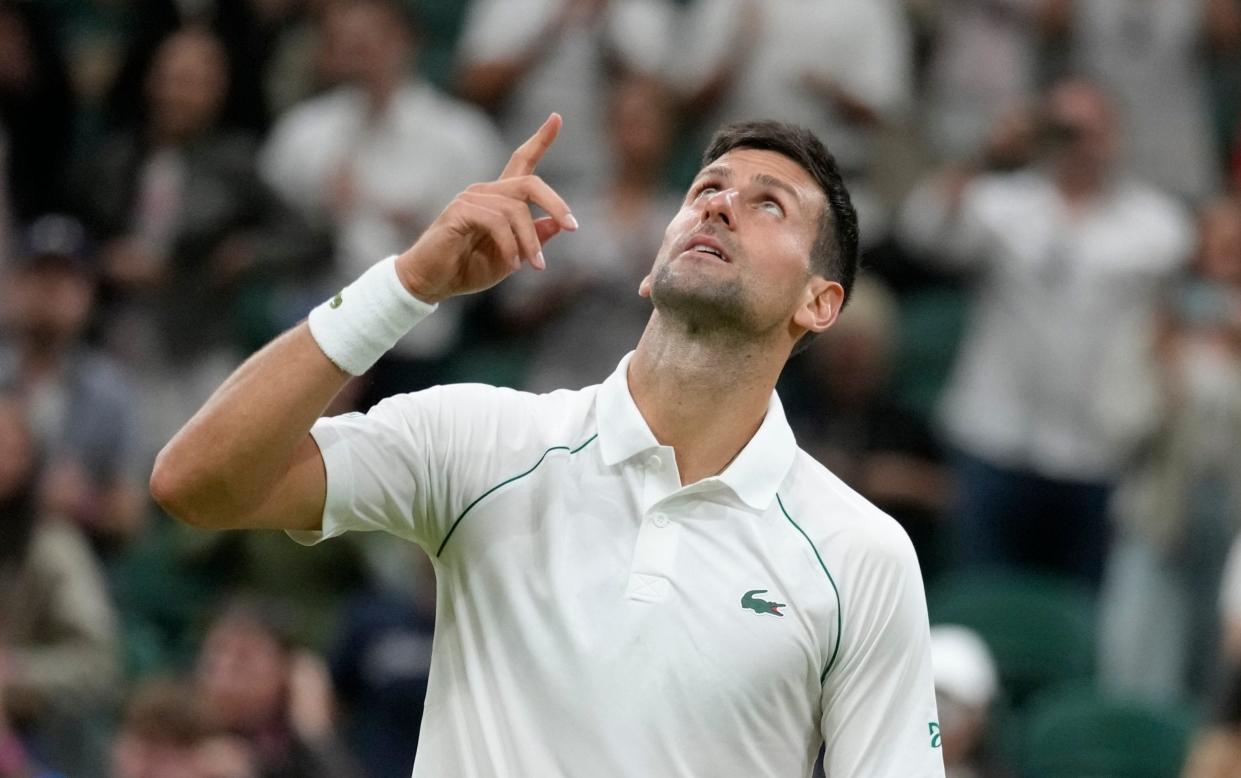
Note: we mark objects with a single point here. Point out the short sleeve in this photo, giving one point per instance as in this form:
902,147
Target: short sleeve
879,717
402,467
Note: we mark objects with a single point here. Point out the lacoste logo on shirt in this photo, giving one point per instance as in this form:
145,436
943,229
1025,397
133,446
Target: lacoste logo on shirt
748,600
336,301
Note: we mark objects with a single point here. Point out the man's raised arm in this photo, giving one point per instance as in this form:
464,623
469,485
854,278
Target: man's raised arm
246,459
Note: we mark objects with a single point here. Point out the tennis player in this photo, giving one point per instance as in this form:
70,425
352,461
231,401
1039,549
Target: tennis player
641,578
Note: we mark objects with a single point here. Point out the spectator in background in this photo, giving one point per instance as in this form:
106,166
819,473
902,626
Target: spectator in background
58,630
984,58
79,403
841,68
15,758
165,734
376,159
1181,507
524,59
1152,56
1054,385
36,111
242,30
967,686
381,665
254,684
885,452
186,222
586,314
1217,750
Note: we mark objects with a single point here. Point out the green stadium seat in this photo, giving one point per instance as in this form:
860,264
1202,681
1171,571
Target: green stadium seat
931,326
1041,629
1077,733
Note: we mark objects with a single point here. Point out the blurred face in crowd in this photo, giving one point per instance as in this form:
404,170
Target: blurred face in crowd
17,63
1219,258
49,303
138,757
365,43
187,85
16,448
1082,128
241,675
1011,139
640,124
736,257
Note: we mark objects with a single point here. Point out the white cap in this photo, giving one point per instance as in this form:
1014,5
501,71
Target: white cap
964,668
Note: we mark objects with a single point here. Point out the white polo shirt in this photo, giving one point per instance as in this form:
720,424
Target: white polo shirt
596,618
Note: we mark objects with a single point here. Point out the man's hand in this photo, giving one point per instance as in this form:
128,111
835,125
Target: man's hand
487,231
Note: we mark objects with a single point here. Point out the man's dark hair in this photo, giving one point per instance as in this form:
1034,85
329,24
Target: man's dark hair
835,252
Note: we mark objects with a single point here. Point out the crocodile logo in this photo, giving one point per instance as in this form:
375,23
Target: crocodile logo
336,301
748,600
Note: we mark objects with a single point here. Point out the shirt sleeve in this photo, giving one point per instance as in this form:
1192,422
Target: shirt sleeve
405,466
879,717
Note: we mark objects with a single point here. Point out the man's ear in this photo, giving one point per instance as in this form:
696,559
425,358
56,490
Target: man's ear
644,288
821,305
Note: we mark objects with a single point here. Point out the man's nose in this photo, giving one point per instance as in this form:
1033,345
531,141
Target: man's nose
721,206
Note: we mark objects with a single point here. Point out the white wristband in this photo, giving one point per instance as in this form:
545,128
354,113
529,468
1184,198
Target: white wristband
358,326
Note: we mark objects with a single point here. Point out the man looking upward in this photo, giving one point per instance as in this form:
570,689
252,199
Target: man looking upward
642,578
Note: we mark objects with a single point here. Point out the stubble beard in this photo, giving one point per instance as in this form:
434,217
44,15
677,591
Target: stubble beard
705,308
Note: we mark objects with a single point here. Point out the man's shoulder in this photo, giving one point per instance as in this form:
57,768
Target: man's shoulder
836,517
505,414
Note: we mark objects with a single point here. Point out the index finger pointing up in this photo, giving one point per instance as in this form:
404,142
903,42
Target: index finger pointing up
528,154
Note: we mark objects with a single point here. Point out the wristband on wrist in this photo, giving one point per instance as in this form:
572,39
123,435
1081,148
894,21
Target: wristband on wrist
358,326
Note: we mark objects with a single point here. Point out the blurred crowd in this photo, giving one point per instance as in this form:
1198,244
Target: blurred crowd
1039,371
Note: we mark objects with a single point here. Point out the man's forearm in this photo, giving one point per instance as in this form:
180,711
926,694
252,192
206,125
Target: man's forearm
227,458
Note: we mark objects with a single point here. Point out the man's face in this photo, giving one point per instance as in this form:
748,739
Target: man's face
362,43
136,757
737,255
187,84
1083,127
49,304
241,675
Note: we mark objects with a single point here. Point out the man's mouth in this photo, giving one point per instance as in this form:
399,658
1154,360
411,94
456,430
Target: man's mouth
705,244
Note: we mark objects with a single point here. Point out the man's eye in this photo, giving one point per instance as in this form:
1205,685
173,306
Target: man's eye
771,206
707,190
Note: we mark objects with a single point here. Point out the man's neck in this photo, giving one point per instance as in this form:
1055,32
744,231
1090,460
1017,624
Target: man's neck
705,399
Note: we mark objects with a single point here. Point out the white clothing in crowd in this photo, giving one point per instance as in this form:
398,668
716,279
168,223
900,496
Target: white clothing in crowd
1056,373
569,73
404,165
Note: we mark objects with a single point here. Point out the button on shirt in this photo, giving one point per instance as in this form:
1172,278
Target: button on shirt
595,617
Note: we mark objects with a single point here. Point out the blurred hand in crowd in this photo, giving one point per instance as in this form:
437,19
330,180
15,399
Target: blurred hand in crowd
310,699
130,264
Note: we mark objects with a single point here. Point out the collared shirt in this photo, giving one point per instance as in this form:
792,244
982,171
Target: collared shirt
595,617
1056,373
